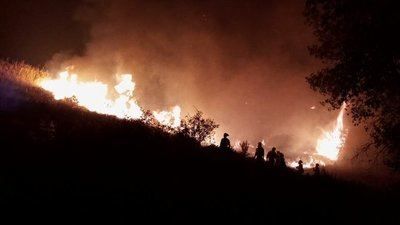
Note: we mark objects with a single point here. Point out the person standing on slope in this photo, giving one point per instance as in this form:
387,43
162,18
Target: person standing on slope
225,144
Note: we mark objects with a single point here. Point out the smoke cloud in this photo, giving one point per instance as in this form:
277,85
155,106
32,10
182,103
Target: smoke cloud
243,63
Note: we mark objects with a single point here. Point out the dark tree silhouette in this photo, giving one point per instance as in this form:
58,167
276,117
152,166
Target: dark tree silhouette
198,128
359,45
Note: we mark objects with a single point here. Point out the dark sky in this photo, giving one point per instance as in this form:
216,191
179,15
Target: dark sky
34,30
243,63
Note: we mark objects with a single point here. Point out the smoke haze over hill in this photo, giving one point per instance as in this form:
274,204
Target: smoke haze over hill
242,63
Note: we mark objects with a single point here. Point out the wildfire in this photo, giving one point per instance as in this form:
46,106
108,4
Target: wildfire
330,143
171,118
94,96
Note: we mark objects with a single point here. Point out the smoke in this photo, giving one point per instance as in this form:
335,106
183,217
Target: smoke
241,62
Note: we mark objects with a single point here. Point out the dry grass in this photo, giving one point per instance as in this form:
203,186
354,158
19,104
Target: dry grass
20,72
18,85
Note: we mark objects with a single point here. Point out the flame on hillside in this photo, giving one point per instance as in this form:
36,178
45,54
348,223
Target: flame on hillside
328,145
93,95
331,142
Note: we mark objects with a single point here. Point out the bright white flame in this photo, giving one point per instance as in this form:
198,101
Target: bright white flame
237,146
93,96
126,85
330,143
171,119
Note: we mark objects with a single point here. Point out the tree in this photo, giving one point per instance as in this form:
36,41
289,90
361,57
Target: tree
198,128
358,43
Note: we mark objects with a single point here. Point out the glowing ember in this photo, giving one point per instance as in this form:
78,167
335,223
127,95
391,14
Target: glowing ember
330,143
310,163
93,96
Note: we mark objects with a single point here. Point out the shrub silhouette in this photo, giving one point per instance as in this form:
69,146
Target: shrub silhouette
198,128
358,45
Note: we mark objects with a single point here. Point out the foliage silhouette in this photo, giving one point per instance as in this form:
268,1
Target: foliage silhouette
198,127
358,43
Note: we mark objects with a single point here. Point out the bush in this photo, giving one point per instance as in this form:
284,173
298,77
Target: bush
199,128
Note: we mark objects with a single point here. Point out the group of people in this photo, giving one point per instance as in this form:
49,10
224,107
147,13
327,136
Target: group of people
274,158
300,168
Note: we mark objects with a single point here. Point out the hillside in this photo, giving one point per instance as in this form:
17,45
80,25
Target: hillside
62,164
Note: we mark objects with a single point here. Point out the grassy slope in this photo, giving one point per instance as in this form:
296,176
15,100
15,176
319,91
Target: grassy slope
63,164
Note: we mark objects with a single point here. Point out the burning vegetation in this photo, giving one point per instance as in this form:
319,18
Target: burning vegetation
331,142
94,95
122,160
328,145
120,102
114,148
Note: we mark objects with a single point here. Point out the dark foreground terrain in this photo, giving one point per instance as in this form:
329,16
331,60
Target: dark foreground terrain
60,164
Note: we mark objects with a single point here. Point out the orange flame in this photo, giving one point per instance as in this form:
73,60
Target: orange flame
93,96
330,143
171,118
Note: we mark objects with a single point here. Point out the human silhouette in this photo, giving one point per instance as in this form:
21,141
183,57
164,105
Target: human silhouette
280,161
259,155
316,169
225,144
300,168
271,156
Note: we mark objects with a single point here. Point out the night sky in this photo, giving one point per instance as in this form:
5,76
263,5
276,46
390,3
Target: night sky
34,30
243,63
